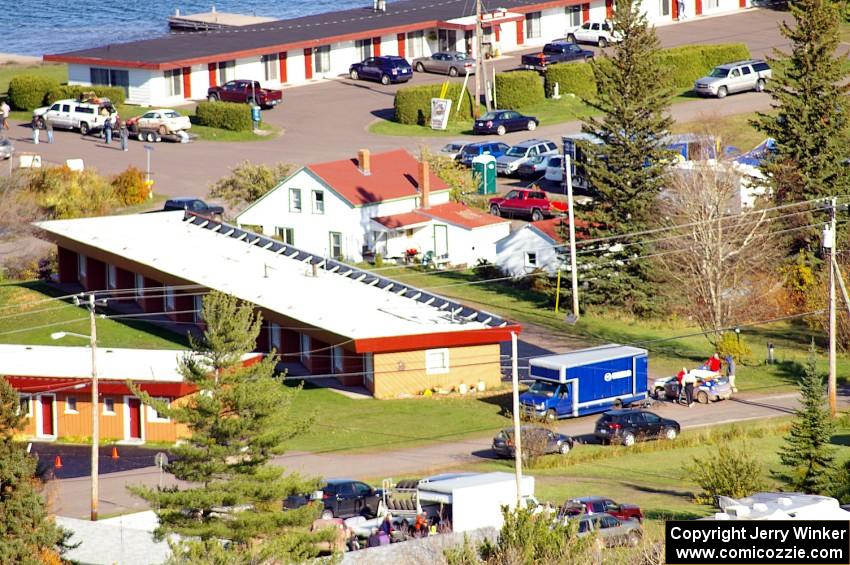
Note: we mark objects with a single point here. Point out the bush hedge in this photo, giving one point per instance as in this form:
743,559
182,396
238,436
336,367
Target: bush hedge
518,89
224,115
412,104
28,92
684,65
63,91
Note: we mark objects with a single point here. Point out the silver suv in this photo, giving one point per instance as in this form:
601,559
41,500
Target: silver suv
734,77
520,153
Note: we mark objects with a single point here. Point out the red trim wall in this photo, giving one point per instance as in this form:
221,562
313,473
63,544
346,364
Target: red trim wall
520,32
34,385
308,63
429,341
282,61
187,82
402,44
376,46
585,13
212,69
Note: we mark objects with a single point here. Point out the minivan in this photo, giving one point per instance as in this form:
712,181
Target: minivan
494,148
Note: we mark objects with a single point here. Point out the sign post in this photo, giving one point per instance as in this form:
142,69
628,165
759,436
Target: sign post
440,111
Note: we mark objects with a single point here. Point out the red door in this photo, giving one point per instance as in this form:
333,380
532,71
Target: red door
376,46
520,31
401,44
675,6
698,8
211,69
742,3
134,406
585,13
187,82
47,416
308,63
282,59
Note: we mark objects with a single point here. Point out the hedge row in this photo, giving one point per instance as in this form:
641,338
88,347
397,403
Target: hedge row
28,92
412,104
61,92
518,89
684,65
224,115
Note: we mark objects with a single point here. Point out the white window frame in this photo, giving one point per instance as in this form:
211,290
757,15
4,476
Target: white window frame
226,71
322,59
293,193
286,235
170,300
275,335
573,15
82,267
531,258
318,204
533,25
73,410
153,416
111,277
304,341
28,399
271,67
197,304
437,368
139,282
173,82
369,371
337,359
364,48
105,411
331,245
415,44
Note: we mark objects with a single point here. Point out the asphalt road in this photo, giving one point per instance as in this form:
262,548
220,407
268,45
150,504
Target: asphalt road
329,119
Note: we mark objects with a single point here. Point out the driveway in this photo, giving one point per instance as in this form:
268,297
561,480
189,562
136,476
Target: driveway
329,120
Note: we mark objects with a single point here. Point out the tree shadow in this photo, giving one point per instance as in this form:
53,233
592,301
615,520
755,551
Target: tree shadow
684,494
387,114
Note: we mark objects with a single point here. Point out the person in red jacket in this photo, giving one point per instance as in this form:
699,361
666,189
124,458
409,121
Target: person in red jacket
713,364
680,389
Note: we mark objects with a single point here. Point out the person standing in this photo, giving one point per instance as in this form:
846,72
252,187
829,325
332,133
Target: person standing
48,127
4,115
730,372
690,380
107,129
35,130
680,387
123,133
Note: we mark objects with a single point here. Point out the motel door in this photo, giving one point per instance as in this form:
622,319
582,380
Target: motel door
47,423
134,407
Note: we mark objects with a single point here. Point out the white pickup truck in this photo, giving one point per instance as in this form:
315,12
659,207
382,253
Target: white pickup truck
73,114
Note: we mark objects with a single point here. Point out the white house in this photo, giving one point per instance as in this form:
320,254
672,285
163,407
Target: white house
534,246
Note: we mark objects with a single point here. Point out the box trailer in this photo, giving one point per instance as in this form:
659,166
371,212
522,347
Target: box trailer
476,501
587,381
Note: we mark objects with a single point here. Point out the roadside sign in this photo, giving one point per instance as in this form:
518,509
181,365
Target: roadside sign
440,109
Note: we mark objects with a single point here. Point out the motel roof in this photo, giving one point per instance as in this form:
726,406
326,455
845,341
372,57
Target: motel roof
375,313
181,49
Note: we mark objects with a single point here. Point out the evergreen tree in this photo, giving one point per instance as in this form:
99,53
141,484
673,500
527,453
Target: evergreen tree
807,452
27,534
627,170
809,89
239,418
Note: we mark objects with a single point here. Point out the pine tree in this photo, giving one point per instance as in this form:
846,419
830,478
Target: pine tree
239,418
810,125
807,452
627,170
27,534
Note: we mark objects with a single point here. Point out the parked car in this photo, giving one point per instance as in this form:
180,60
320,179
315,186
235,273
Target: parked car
502,121
555,52
526,202
535,441
535,167
342,498
453,149
163,121
472,150
194,205
600,505
386,69
705,391
734,77
630,425
72,114
245,91
450,63
6,148
508,163
597,32
612,531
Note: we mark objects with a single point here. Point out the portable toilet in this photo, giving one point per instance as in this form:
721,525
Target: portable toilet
484,171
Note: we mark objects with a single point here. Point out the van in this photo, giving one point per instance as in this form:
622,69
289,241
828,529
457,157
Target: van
72,114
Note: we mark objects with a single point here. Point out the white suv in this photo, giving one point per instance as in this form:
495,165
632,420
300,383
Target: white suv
599,33
72,114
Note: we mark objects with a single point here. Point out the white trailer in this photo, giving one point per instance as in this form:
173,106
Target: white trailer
476,501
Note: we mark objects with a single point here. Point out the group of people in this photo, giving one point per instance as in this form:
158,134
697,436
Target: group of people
389,532
687,380
112,122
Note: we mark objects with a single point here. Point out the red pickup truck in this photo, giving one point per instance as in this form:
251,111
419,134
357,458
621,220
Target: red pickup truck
600,505
526,202
245,91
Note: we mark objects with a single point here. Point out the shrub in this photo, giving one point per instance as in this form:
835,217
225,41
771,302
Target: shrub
249,182
518,89
63,91
62,193
129,187
733,344
575,78
412,104
729,471
28,92
224,115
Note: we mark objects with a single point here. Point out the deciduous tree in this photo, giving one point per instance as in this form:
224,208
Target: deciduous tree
248,182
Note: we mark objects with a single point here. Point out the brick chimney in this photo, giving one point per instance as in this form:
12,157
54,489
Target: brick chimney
363,162
424,184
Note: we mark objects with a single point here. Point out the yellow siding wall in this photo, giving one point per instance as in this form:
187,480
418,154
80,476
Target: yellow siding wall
404,372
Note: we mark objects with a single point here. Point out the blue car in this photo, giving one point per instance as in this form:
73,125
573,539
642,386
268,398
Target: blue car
386,70
502,121
472,150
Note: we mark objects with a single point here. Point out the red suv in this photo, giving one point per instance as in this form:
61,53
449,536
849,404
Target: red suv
524,202
600,505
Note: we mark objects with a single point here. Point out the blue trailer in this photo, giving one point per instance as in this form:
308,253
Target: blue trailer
587,381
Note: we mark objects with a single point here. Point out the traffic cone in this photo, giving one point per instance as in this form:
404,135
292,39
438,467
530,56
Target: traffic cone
115,453
57,462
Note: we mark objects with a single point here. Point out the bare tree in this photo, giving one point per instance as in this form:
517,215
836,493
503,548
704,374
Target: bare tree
716,254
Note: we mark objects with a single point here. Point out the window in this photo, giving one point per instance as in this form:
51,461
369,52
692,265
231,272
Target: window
111,276
362,489
271,66
436,361
294,199
364,48
447,39
337,354
157,417
712,4
532,25
735,73
322,59
169,299
110,77
71,405
305,346
415,44
573,15
531,259
286,235
109,406
274,337
197,303
335,245
173,82
318,202
226,71
81,266
25,406
609,522
139,281
746,70
597,506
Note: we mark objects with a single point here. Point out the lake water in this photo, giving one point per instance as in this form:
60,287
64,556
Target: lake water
36,27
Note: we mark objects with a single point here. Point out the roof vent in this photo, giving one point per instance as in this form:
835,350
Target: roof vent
379,5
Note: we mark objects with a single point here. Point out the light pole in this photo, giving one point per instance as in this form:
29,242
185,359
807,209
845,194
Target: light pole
90,304
148,179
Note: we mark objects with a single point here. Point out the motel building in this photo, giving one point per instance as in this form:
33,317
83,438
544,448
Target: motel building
325,319
169,70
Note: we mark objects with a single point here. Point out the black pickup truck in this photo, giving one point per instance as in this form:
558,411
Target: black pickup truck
555,52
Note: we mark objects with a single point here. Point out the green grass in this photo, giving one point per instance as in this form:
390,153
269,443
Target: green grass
391,128
28,316
51,70
735,130
216,134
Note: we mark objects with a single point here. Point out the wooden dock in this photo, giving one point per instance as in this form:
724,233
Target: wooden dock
213,20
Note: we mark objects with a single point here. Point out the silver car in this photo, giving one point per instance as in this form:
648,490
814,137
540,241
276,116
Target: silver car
6,148
612,531
734,77
520,153
453,149
452,63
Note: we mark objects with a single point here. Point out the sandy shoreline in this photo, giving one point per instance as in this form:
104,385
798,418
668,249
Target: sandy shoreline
6,58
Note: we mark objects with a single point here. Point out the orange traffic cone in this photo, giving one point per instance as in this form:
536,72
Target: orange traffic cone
57,463
114,452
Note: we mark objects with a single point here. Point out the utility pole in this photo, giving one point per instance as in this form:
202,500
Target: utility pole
517,428
95,409
832,240
568,176
479,62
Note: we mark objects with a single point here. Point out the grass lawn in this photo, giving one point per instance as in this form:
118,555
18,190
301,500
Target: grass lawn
51,70
735,130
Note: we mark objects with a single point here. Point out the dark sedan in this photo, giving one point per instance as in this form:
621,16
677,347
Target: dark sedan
630,425
386,70
194,205
502,121
536,441
342,498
